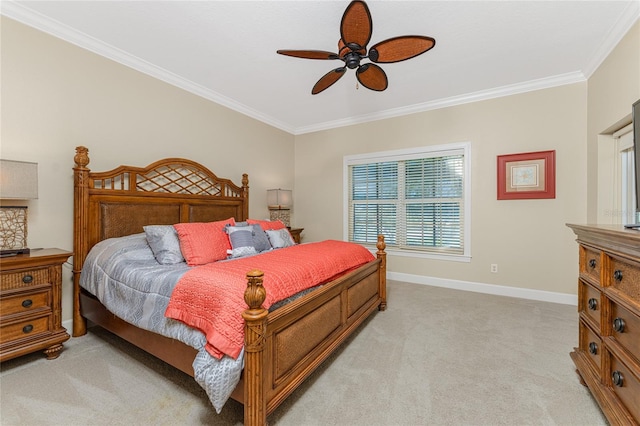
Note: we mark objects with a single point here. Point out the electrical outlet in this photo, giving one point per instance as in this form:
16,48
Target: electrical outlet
494,268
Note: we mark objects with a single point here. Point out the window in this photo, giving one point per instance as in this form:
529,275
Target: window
419,199
624,138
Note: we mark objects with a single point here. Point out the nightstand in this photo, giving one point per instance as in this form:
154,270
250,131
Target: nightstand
295,233
30,303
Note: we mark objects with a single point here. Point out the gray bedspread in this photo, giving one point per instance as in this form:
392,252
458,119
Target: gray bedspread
123,274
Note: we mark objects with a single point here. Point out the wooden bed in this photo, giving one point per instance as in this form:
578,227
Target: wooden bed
280,350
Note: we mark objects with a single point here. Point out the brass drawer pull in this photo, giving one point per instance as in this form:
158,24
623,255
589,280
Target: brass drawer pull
617,378
27,279
592,263
593,348
27,303
617,275
593,304
618,325
27,329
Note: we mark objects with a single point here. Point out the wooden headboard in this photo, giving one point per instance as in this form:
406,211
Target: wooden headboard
121,201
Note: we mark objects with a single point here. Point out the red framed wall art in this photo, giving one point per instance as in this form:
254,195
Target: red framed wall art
528,175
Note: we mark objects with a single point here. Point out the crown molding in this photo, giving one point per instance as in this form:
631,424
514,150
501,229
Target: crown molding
498,92
627,20
27,16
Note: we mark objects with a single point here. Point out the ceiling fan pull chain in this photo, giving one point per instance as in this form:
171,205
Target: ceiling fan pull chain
357,86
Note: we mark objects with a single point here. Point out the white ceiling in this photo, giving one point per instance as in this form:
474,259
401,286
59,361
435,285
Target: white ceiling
225,51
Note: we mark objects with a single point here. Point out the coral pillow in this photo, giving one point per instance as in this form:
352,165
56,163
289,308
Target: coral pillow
267,225
202,243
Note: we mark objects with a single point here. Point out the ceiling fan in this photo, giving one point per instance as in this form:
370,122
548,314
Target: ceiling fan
355,32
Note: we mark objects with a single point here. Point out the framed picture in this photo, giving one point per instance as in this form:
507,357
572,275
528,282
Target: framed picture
527,176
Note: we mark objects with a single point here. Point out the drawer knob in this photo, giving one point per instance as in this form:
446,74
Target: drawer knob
592,263
27,303
617,378
617,275
27,329
27,279
618,325
593,304
593,348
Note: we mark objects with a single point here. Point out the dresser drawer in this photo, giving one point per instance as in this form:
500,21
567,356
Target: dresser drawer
25,302
592,345
24,329
590,302
590,263
624,276
625,329
24,278
626,386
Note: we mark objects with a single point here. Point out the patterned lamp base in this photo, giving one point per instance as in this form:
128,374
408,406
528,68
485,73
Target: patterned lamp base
13,230
282,215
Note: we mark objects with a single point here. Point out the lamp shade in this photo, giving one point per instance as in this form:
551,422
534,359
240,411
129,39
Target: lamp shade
279,198
18,180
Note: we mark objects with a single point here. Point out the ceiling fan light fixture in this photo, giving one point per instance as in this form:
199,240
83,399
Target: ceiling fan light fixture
356,28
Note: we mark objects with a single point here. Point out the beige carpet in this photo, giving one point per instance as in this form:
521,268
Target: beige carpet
435,357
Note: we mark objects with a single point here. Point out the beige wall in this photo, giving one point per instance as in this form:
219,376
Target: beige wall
612,89
56,96
528,239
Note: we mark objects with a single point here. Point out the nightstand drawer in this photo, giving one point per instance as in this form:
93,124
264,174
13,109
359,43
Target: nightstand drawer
24,329
25,303
24,278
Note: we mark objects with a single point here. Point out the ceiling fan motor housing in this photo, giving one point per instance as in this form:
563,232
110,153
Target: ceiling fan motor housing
352,60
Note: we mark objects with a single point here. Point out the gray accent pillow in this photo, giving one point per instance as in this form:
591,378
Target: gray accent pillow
280,238
164,243
260,239
241,239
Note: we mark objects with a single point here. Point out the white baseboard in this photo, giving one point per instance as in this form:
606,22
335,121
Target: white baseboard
68,324
499,290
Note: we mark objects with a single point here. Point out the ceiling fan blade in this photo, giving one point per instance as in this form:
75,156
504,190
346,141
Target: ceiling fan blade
356,25
372,77
400,48
328,79
309,54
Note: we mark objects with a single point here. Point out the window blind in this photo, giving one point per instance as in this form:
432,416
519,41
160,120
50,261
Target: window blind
416,202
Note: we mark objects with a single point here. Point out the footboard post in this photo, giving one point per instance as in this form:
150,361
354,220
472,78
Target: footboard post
382,255
255,327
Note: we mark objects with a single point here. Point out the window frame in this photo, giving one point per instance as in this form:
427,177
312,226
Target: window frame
417,153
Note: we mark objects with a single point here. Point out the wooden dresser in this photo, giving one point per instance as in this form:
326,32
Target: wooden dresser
608,355
30,307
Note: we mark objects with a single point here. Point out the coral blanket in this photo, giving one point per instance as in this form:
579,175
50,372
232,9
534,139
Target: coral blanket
211,297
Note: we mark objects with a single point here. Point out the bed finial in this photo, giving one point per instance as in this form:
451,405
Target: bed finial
82,157
255,294
381,245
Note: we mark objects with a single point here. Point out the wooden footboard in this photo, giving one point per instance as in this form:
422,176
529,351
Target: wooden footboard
284,347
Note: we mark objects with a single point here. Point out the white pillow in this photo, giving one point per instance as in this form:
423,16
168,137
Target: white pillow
280,238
